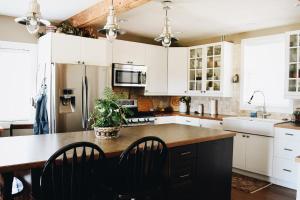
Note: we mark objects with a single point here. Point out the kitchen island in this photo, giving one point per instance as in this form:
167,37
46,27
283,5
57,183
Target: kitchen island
199,161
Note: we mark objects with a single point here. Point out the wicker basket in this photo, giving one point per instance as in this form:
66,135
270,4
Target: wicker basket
107,132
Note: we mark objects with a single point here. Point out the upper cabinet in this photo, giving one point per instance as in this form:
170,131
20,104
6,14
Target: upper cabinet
125,52
292,85
210,70
177,71
75,50
157,70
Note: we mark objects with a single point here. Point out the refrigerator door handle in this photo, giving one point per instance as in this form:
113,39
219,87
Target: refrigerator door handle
86,103
83,103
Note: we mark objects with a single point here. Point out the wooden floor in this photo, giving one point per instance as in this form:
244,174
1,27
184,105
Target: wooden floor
273,192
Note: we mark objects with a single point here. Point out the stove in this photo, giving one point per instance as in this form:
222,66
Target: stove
137,118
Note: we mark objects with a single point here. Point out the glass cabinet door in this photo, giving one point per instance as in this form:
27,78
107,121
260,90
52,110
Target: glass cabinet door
213,67
294,63
195,69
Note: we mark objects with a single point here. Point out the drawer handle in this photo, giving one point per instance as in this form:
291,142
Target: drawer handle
288,149
289,134
185,153
188,121
184,176
287,170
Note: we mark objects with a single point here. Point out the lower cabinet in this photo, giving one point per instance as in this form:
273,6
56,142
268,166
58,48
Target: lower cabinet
253,153
201,171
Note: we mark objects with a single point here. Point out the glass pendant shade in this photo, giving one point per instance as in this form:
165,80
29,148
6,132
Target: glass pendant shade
111,28
32,21
166,37
32,25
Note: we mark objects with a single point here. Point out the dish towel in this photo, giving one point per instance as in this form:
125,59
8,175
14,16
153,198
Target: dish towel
41,125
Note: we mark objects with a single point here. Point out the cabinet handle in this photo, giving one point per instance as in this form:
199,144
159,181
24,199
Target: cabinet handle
248,136
186,153
83,63
78,62
286,149
289,134
244,135
221,123
188,121
146,91
185,91
184,176
287,170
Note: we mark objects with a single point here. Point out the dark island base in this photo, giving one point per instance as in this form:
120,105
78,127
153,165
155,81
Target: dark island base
197,171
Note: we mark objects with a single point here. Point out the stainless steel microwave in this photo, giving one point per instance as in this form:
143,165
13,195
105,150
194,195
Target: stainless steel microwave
125,75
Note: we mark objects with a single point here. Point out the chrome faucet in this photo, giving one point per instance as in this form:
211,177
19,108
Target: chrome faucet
264,114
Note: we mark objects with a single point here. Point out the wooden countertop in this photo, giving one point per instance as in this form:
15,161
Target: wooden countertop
204,116
288,125
25,152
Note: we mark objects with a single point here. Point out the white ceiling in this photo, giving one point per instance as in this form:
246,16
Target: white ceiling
196,19
54,10
206,18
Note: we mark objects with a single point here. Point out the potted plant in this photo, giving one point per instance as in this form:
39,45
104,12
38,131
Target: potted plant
297,117
184,104
108,116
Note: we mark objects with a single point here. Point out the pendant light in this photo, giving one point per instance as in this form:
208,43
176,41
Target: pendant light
33,20
166,37
111,28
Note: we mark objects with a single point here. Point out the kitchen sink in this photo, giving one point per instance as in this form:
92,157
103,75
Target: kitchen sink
257,126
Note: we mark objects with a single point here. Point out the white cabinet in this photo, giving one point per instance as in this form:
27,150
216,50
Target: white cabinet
286,149
126,52
157,70
188,121
253,153
210,70
259,154
292,84
239,151
65,48
165,120
177,70
75,50
96,52
213,124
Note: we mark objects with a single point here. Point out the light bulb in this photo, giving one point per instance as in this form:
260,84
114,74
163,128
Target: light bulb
166,42
32,25
111,34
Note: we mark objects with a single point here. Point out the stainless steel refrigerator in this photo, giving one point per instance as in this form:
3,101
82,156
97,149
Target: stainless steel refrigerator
72,91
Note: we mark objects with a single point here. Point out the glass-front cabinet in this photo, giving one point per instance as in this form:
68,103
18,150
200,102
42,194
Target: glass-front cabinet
209,70
293,65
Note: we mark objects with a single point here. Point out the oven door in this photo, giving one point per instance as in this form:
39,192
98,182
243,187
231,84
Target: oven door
129,77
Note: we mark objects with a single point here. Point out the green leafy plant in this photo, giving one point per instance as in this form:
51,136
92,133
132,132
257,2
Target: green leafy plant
107,111
185,99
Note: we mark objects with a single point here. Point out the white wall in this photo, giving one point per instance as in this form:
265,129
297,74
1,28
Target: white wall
11,31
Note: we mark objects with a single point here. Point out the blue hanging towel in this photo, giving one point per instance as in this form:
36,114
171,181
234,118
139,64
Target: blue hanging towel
41,125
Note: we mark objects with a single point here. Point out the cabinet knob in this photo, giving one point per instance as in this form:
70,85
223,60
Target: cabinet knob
146,91
83,63
78,62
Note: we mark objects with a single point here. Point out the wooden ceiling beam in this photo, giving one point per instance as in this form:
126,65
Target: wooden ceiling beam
96,15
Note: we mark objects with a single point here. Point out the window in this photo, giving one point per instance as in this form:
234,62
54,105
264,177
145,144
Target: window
263,68
17,75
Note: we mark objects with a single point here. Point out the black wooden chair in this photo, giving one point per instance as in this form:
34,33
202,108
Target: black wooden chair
141,168
18,181
75,172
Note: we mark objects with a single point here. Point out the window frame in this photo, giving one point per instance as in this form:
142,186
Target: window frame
246,106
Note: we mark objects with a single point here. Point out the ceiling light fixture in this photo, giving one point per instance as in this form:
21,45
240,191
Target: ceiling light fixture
33,20
166,37
111,28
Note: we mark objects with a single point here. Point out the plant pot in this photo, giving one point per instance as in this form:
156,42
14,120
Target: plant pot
182,107
107,132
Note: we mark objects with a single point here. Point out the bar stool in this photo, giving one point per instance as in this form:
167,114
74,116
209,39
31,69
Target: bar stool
141,168
18,185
